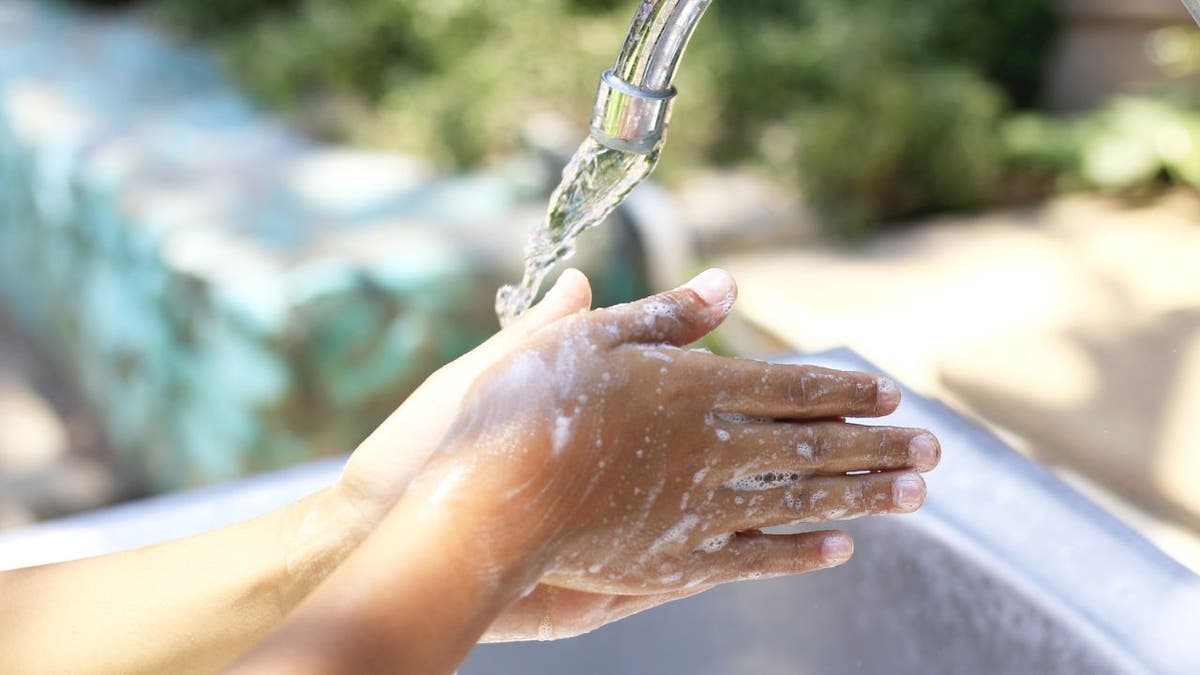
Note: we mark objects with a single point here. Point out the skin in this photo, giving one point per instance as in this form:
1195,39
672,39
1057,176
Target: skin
597,469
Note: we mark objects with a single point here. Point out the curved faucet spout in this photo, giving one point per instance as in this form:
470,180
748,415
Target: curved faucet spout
633,105
656,42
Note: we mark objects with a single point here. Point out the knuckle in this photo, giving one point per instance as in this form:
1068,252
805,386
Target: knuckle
755,555
863,392
799,388
822,446
886,444
811,445
801,551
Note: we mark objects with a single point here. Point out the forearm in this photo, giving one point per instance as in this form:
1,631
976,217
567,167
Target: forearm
188,606
415,597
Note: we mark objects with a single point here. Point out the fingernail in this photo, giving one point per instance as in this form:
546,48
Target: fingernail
887,395
714,286
837,548
923,452
908,492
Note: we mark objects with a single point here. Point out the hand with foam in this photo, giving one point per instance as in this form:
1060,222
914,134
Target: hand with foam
621,471
593,469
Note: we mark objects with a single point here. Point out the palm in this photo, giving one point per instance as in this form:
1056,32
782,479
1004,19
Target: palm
553,613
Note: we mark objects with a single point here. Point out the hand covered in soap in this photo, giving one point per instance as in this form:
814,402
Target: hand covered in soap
593,469
381,467
623,471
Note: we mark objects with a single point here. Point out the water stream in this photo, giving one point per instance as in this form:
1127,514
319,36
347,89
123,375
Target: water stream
594,184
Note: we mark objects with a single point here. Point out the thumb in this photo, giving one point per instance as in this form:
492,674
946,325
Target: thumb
570,294
676,317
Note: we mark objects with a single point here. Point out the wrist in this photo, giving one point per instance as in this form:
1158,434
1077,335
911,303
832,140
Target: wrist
503,549
322,532
414,596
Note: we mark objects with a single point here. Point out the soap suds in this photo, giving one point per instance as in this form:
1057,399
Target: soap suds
562,432
656,354
716,543
676,535
763,481
659,309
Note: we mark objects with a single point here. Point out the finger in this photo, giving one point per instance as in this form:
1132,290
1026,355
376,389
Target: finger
754,555
785,499
677,317
824,448
786,391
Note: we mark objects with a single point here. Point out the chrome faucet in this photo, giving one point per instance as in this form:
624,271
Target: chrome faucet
633,105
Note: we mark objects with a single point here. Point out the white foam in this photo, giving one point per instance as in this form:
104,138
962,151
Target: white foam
658,308
656,354
546,628
676,535
805,450
562,432
723,435
716,543
763,481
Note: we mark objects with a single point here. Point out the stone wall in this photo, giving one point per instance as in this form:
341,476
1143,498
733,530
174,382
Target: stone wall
230,296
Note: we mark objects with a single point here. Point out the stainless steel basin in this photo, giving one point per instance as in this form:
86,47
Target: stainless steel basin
1005,570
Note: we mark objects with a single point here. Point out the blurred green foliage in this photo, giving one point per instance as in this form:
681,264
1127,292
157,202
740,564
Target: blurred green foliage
1131,143
878,109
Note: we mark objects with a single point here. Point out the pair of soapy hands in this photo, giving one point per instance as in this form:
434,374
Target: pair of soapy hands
619,471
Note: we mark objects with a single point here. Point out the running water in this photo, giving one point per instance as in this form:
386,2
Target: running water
595,182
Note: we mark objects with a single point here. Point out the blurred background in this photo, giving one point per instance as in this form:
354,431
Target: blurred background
235,233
